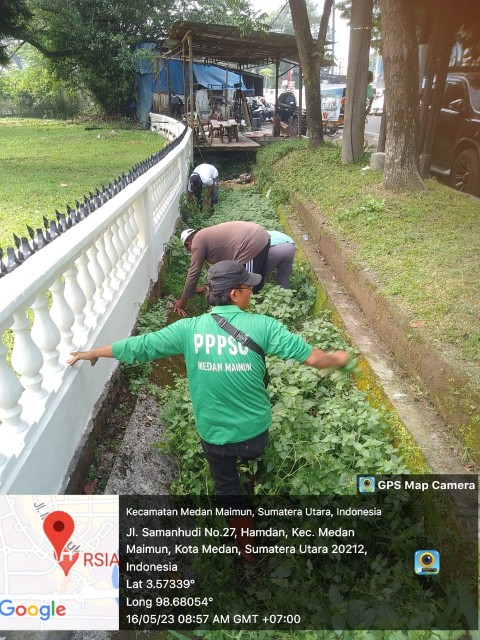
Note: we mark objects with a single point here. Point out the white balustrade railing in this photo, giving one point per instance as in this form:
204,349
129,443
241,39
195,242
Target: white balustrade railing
81,290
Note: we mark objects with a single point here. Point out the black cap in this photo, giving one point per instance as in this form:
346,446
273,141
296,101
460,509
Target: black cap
195,182
227,274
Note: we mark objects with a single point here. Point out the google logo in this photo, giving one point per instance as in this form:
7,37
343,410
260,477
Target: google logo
45,611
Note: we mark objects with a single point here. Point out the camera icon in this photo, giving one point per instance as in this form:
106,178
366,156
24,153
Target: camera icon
366,484
427,562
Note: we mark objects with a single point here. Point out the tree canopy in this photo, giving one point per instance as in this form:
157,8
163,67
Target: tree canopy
92,43
14,14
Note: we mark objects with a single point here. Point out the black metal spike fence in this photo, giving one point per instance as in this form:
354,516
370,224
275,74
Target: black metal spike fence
26,247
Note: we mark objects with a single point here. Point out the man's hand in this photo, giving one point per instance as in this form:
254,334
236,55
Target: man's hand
323,360
200,289
340,358
179,307
82,355
92,356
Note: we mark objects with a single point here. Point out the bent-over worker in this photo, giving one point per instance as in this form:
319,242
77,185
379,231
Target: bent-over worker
246,242
204,175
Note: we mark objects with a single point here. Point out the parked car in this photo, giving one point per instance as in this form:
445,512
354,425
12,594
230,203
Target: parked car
288,110
456,145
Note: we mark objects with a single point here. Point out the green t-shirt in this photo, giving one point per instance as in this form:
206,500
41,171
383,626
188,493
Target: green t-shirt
230,402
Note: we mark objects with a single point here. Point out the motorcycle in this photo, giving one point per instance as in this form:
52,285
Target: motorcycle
257,110
330,128
269,112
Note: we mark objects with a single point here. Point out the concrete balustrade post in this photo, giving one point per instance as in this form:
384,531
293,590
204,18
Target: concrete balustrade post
98,276
113,257
120,249
63,317
10,393
131,236
76,300
143,219
106,267
27,358
87,285
124,242
47,337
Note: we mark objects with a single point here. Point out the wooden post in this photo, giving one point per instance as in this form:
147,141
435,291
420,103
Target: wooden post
167,62
300,102
190,62
276,117
185,85
226,90
277,68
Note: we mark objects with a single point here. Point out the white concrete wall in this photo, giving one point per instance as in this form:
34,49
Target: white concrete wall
82,289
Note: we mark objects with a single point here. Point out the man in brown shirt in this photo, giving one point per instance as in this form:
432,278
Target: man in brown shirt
245,242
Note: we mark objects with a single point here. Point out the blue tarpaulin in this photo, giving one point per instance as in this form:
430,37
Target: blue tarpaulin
143,79
205,75
212,77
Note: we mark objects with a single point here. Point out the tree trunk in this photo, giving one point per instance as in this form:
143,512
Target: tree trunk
356,91
310,62
400,58
440,43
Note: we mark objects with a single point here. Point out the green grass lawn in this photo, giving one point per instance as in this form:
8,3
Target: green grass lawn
46,164
422,249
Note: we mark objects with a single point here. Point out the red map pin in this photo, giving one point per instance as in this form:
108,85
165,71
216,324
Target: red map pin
58,527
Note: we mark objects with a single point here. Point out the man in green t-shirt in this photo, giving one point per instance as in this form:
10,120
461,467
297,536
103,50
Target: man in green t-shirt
370,92
230,402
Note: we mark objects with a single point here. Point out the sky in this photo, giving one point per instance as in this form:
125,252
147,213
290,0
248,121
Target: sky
342,31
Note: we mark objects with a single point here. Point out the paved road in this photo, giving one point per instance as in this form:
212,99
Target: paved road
373,125
372,128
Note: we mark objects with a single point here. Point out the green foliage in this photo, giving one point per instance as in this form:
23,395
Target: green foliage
138,374
35,92
244,204
152,319
14,14
183,441
94,45
191,214
289,306
281,21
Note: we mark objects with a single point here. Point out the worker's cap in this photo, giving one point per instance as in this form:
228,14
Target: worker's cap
228,274
208,183
195,182
186,234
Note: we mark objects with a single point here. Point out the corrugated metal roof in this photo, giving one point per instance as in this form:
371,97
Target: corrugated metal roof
220,43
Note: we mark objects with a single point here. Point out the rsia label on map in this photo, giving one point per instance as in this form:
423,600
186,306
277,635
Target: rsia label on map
59,562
